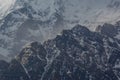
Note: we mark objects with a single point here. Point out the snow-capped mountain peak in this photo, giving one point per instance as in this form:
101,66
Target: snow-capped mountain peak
76,54
39,20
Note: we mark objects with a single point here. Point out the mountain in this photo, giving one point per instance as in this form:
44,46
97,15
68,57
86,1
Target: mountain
3,66
6,7
2,57
110,30
76,54
40,20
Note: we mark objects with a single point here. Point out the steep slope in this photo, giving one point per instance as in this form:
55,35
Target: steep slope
2,57
110,30
5,7
39,20
3,66
76,54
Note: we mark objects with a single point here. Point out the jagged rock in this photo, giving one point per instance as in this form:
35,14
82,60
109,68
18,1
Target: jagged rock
40,20
76,54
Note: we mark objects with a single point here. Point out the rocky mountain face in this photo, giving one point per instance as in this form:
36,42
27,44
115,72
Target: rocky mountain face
40,20
76,54
110,30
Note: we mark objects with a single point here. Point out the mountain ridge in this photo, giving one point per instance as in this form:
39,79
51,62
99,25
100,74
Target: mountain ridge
74,55
40,20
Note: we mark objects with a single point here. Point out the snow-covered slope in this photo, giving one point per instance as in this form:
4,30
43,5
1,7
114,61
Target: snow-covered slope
5,7
86,12
39,20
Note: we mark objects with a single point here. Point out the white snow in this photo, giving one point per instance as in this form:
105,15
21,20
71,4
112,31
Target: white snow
25,71
85,12
5,6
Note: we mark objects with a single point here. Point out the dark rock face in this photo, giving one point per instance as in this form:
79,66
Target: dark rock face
15,71
76,54
3,66
110,30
